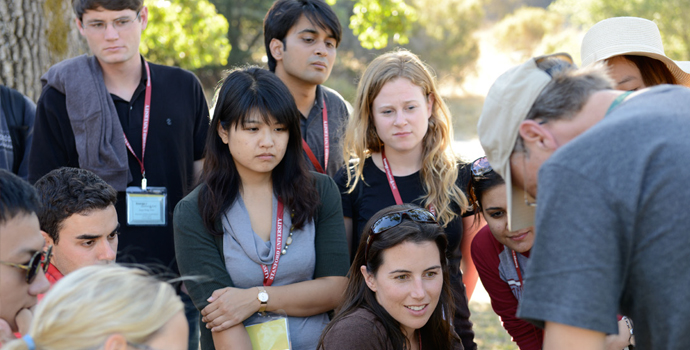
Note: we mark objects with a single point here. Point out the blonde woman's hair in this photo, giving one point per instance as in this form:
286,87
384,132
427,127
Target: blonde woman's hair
439,164
87,306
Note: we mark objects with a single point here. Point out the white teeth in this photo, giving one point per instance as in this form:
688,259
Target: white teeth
415,308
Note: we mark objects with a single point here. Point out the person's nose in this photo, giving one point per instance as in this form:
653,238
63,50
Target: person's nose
417,291
110,32
321,49
106,251
40,284
266,139
400,119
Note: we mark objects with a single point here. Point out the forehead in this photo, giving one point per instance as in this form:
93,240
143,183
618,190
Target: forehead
494,197
399,89
100,14
20,236
305,24
620,65
411,256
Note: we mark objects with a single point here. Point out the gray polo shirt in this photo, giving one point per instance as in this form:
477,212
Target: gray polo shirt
312,128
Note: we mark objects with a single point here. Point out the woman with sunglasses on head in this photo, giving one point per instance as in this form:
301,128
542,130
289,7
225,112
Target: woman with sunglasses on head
398,144
501,256
107,307
398,293
267,232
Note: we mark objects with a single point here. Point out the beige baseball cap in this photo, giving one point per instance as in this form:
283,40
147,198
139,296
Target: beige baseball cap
629,36
505,107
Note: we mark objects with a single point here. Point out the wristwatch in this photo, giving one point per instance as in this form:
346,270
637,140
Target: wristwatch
263,298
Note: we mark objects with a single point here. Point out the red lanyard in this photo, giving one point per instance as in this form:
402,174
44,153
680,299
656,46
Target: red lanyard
144,127
269,276
391,181
326,144
517,268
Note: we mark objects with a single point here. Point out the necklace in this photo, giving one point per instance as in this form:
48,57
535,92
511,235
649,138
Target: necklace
288,241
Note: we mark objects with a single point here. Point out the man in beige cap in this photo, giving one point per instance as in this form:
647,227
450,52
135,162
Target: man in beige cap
611,170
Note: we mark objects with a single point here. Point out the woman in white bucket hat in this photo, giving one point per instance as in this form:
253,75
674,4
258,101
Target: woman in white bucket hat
633,49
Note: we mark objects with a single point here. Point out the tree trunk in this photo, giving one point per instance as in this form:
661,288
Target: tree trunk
35,34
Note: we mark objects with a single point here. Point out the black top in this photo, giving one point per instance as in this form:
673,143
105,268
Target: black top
177,134
312,128
374,194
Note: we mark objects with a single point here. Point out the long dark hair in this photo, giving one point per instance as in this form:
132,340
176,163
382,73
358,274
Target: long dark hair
477,186
437,332
244,92
653,71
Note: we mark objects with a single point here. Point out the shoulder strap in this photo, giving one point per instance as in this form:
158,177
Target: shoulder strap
13,105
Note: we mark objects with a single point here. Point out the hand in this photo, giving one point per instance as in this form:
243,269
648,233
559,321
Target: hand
229,307
22,320
618,341
6,334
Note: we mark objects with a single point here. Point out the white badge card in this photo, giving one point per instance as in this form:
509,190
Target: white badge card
146,207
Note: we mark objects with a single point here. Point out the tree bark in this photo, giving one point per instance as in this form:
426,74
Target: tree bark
35,34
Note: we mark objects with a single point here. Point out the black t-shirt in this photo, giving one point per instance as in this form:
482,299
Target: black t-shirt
374,194
177,135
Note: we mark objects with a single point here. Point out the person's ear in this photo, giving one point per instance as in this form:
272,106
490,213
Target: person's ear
536,134
368,278
115,342
144,15
276,47
223,133
80,26
48,239
430,105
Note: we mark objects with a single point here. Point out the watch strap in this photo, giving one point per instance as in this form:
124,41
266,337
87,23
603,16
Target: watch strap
264,304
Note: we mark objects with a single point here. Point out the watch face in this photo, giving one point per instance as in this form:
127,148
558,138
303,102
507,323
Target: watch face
263,297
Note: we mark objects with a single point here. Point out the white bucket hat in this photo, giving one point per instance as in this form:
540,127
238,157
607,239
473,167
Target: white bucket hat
629,36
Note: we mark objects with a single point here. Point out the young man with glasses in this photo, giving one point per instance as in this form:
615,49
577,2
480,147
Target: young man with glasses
23,259
301,38
139,126
611,175
78,219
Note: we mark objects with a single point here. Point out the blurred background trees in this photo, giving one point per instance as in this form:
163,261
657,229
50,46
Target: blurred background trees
467,42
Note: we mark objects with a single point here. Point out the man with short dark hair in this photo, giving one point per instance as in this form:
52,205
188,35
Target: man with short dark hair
301,38
22,256
611,173
139,126
78,218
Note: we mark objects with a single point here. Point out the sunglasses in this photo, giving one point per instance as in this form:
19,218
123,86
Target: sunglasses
566,62
481,167
40,259
391,220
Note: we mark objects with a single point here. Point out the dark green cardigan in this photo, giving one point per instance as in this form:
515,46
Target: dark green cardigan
199,253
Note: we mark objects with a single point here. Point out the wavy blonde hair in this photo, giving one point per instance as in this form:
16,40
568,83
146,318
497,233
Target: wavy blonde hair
87,306
439,164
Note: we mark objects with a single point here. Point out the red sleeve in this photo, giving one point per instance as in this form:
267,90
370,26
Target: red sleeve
485,253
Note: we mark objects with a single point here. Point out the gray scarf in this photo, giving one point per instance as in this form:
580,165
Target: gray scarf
97,131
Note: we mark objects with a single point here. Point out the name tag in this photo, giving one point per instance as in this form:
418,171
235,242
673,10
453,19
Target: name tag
270,335
147,207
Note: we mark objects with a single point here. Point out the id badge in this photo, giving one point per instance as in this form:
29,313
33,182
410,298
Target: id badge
147,207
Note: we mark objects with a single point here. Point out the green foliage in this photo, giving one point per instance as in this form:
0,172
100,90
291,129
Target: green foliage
443,35
497,9
374,21
246,29
185,33
667,14
524,30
